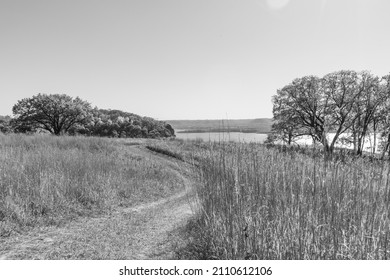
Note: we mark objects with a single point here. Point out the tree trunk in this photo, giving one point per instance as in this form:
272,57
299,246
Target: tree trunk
360,146
386,147
354,139
327,147
374,146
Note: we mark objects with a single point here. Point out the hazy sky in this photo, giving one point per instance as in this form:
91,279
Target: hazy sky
184,59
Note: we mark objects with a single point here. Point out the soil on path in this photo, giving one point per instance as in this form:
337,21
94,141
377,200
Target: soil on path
146,231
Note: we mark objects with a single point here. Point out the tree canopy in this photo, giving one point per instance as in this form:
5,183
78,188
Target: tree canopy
5,125
342,102
56,113
62,114
116,123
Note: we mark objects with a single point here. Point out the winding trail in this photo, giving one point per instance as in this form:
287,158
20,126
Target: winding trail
146,231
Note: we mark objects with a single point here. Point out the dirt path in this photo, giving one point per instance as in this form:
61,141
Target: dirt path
146,231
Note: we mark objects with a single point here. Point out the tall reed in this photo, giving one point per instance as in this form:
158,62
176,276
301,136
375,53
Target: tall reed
261,203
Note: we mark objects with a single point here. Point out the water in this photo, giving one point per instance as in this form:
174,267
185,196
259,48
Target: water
226,136
260,138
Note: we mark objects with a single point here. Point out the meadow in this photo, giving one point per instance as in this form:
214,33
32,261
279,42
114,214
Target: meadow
47,180
254,201
260,202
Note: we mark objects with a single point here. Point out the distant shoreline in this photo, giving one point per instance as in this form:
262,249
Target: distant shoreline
258,126
221,131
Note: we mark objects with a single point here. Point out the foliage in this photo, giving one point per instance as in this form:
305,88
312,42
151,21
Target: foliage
5,125
62,114
338,103
116,123
366,109
55,113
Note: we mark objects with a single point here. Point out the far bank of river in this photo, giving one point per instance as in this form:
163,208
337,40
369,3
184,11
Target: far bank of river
223,136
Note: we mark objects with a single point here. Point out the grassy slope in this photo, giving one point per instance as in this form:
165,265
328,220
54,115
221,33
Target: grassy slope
246,125
47,180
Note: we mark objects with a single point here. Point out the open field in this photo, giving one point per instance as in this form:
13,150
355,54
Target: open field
94,198
77,192
270,203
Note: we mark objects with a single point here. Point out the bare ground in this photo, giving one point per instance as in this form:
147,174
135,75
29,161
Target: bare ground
146,231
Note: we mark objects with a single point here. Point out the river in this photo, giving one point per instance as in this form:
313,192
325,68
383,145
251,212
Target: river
260,138
223,136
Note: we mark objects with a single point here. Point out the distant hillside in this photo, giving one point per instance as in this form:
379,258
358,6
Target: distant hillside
262,125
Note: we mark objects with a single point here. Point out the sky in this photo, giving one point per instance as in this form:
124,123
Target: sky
184,59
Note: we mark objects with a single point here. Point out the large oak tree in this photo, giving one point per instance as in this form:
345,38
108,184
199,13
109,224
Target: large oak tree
342,102
56,113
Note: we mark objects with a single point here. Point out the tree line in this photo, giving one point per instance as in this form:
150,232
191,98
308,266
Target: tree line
343,106
62,114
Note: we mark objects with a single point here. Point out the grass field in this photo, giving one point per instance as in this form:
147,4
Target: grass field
268,203
48,180
256,202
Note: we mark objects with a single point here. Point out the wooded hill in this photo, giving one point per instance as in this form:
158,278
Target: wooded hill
62,114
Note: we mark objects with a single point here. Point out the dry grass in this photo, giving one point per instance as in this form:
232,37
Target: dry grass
163,151
256,202
46,180
261,203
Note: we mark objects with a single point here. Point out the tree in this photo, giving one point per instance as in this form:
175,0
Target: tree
285,126
300,109
56,113
341,102
384,115
169,129
342,90
116,123
5,124
366,110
